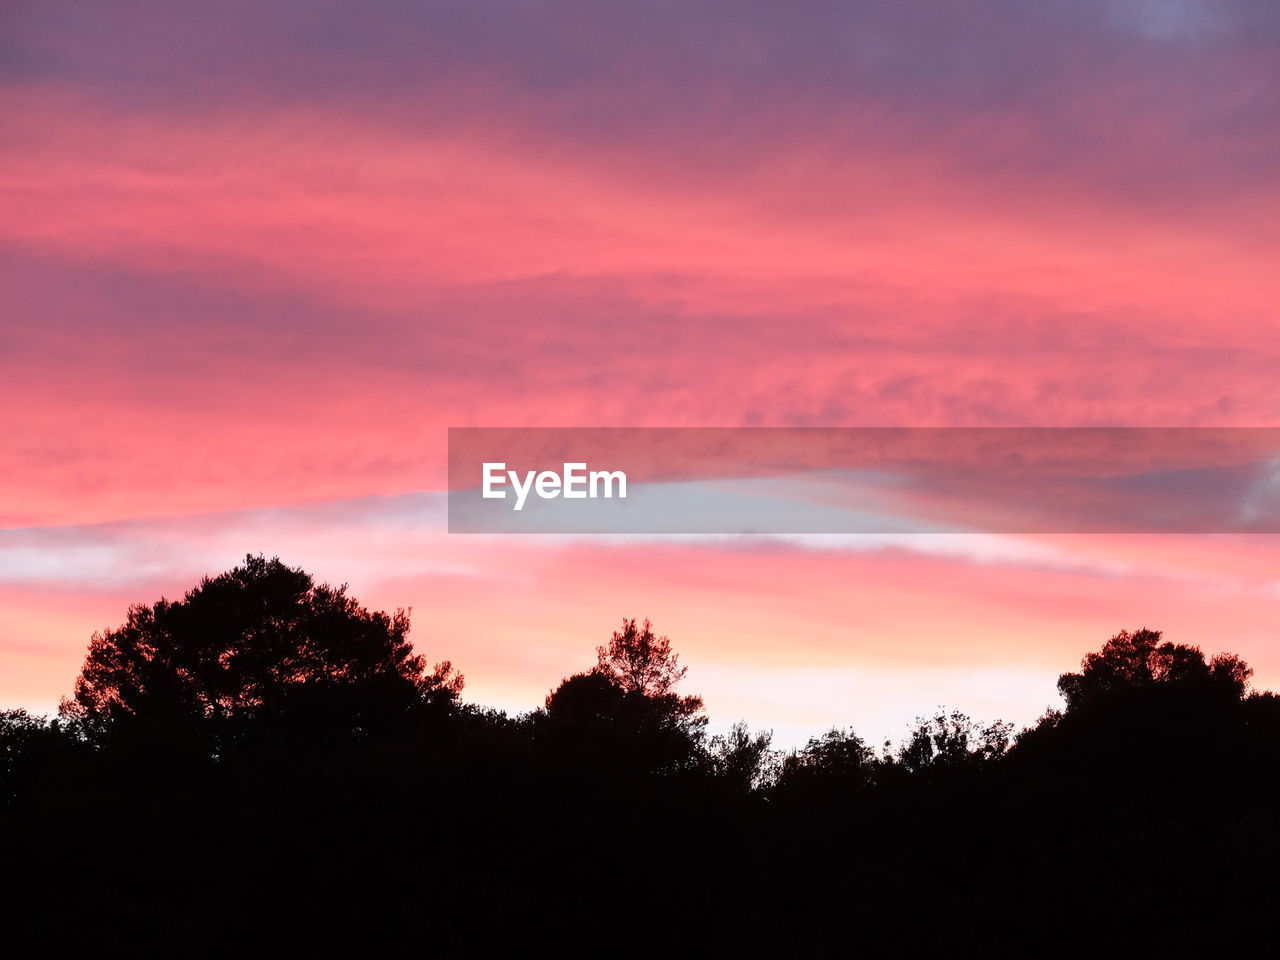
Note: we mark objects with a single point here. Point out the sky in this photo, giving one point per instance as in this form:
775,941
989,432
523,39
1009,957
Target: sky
257,257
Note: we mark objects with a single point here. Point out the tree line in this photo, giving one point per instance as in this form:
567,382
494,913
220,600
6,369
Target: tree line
267,761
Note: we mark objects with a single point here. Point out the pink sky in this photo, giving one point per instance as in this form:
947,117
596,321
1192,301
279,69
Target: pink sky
255,265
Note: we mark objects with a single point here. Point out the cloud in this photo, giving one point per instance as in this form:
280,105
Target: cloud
983,623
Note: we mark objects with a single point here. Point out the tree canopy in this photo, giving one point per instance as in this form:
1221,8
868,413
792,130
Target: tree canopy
625,712
261,642
639,661
1137,661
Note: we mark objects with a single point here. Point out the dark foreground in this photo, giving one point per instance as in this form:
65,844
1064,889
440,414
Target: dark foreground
293,793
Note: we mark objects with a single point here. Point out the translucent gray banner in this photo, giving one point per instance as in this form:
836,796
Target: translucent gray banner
864,480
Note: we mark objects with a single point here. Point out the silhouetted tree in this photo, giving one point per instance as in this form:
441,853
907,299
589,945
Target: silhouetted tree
742,759
835,763
30,747
1147,717
259,647
1138,661
625,711
639,661
951,739
592,722
642,663
587,701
